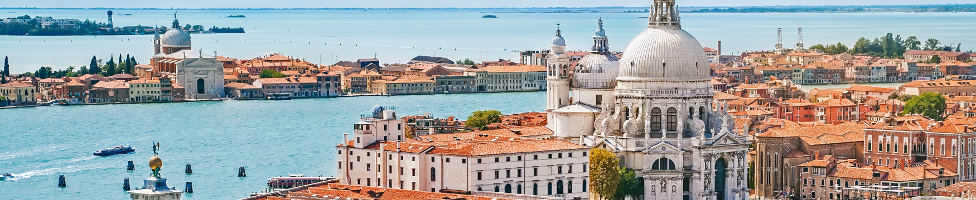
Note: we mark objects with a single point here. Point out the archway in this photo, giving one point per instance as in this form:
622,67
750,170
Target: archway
201,88
720,172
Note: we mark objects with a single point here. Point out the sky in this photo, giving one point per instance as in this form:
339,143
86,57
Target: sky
435,3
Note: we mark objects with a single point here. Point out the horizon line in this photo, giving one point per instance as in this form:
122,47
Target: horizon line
557,7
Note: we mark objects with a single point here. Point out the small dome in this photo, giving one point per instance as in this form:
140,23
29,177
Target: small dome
599,30
666,53
596,71
175,37
155,163
558,40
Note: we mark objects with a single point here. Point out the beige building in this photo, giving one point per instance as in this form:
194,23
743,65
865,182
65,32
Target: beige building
404,85
144,90
500,161
509,78
942,86
19,93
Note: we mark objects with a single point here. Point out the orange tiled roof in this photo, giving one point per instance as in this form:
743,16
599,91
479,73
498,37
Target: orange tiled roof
865,88
957,190
820,133
17,84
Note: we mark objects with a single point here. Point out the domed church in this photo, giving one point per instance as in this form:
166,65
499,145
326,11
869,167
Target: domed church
653,108
202,76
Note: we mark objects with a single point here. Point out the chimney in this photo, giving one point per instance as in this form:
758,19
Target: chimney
345,138
816,155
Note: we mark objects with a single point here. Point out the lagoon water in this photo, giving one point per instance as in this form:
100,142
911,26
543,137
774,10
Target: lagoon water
328,36
269,138
277,138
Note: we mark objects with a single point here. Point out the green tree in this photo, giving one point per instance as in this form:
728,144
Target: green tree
93,67
480,119
929,104
467,61
751,180
629,186
912,43
862,46
83,70
604,173
932,44
6,70
110,67
43,72
270,73
820,47
935,59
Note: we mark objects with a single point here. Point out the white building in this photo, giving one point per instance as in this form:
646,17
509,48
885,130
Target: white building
497,161
654,109
202,76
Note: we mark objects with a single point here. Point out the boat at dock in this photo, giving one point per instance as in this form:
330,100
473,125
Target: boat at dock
279,96
114,150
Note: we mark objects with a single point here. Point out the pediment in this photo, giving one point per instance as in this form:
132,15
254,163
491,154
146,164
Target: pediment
663,147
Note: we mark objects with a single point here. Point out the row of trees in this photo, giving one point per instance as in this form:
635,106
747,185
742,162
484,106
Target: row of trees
887,46
124,66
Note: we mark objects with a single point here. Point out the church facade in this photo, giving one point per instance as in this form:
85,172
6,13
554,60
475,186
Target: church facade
652,107
201,76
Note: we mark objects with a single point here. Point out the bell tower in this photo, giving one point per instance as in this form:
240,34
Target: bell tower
557,74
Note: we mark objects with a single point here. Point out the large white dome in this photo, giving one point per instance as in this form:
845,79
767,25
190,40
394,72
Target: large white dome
663,53
176,37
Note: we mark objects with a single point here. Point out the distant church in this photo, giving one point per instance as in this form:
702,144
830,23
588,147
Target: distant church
202,76
653,108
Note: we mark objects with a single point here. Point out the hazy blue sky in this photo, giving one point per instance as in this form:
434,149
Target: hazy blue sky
432,3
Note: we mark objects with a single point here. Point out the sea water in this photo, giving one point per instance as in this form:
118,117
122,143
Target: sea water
395,36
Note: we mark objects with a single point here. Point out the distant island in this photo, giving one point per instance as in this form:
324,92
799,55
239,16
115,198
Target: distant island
489,16
48,26
235,16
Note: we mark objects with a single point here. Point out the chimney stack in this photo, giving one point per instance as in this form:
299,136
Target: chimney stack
345,138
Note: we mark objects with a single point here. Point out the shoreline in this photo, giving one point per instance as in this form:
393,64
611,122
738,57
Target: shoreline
250,99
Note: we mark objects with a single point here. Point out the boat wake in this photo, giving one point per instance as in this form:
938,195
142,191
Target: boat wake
27,152
58,170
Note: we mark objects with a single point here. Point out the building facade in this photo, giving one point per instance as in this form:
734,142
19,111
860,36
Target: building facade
660,119
378,154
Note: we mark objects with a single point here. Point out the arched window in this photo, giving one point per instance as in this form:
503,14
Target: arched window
535,189
201,86
559,187
672,122
656,122
569,187
550,188
584,185
496,188
701,113
691,112
518,189
663,164
433,174
626,112
508,188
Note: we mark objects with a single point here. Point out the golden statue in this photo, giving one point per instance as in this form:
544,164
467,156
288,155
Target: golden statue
155,163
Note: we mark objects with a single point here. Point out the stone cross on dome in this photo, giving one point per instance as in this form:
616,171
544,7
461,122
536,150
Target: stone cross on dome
664,13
